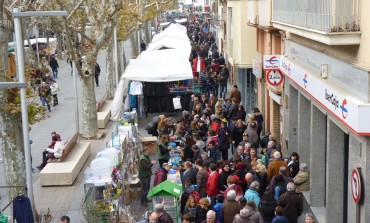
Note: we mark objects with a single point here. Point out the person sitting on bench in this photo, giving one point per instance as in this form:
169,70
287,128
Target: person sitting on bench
55,152
53,141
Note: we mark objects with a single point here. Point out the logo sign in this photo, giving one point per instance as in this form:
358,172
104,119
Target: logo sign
356,185
305,81
271,62
344,109
274,77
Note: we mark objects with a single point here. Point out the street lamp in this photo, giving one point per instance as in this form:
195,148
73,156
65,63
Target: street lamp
23,84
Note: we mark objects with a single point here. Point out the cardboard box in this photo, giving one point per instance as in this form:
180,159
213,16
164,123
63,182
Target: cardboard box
150,142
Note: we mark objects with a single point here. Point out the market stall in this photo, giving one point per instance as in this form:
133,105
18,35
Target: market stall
167,193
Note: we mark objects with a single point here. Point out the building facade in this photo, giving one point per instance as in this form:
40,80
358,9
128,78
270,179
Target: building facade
327,101
237,42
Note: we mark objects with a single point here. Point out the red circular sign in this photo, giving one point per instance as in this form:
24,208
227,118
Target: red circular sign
356,185
274,77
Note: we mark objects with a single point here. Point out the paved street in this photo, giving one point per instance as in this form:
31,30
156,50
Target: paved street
62,200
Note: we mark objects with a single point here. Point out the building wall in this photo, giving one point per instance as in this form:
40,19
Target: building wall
244,37
329,147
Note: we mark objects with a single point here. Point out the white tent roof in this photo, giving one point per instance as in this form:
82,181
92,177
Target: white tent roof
171,43
159,66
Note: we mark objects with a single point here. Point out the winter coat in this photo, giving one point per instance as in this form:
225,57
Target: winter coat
202,178
254,215
274,168
191,173
229,210
262,181
252,195
235,93
202,214
280,219
292,205
212,184
214,154
163,152
253,137
222,180
267,209
223,140
184,197
160,175
237,189
218,207
302,181
54,87
165,218
293,168
237,135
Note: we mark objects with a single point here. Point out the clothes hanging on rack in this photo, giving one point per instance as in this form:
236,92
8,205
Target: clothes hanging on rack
22,211
3,218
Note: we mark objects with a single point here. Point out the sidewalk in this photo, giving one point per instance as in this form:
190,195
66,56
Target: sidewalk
63,200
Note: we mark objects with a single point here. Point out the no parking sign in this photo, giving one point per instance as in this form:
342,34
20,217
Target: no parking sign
356,185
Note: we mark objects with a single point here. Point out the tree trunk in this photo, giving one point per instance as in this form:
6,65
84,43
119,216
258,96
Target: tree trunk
109,73
58,34
134,45
147,31
120,59
13,153
89,113
124,59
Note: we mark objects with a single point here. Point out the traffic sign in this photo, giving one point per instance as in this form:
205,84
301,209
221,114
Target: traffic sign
274,77
356,185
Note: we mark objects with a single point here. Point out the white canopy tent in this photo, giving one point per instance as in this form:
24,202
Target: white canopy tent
171,43
159,66
154,65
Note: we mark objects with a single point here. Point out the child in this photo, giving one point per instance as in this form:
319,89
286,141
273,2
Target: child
218,207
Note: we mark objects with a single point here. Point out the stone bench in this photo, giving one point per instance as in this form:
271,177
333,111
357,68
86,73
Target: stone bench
65,173
103,112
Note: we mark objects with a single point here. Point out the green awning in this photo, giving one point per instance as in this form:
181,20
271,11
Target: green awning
166,188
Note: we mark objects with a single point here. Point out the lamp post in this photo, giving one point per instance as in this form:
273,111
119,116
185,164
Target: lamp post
23,85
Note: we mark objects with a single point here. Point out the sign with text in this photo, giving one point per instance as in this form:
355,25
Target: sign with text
350,111
271,62
274,77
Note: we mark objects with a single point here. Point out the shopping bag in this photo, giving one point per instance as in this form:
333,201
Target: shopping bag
176,103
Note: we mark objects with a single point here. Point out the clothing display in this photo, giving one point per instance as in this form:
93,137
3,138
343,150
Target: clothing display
136,88
22,211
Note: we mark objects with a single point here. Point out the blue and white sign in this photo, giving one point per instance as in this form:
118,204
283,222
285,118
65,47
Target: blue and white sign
350,111
271,62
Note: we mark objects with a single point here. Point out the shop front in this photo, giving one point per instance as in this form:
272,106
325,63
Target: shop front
329,126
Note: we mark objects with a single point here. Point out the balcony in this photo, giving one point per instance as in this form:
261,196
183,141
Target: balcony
259,13
332,22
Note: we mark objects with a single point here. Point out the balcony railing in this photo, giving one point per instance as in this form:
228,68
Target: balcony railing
324,15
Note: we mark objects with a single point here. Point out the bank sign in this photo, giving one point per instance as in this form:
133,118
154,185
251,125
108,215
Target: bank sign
350,111
271,62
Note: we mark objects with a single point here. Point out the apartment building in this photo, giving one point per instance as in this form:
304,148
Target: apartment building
327,101
237,42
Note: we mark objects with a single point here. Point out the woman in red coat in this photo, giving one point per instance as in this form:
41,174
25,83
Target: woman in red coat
160,175
212,184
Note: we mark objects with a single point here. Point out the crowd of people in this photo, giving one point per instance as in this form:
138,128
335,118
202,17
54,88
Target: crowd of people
255,184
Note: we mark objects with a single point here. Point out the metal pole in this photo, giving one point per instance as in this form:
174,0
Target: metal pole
115,56
22,79
37,50
77,119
